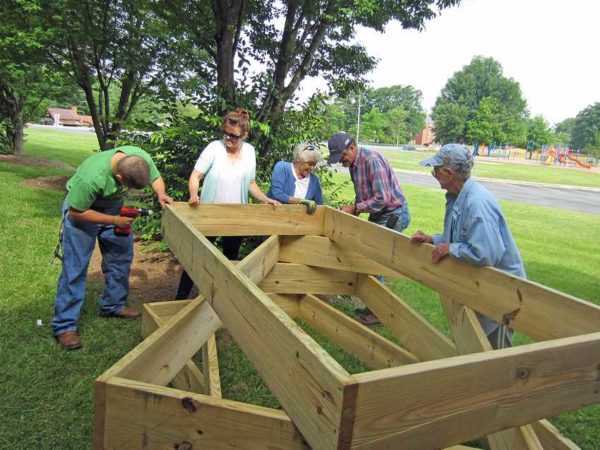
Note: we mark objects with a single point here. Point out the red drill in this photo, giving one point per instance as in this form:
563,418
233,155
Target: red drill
130,211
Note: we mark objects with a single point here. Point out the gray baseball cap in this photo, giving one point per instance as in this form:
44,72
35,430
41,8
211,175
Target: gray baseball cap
337,144
450,153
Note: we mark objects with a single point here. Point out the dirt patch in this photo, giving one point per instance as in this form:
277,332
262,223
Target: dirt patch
29,161
154,275
55,182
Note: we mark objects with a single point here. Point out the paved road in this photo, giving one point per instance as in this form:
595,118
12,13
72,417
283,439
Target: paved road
572,198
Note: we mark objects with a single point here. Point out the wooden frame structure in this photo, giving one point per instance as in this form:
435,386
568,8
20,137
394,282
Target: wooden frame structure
429,392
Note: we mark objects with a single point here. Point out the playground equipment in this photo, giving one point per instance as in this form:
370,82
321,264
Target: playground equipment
550,157
424,392
578,163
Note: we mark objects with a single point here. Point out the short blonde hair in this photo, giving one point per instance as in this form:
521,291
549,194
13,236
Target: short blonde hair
307,152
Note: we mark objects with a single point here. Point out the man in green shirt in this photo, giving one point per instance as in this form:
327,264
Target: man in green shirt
91,211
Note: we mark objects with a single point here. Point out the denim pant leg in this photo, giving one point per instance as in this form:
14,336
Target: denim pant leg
403,218
117,255
78,241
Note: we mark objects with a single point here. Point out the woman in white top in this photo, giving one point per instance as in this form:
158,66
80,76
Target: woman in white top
227,168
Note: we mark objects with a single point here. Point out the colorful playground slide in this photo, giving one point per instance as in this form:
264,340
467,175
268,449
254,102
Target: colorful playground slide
578,162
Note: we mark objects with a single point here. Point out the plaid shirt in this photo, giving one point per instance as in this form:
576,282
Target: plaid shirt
375,183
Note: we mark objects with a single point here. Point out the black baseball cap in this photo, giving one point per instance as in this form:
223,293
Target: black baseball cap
337,144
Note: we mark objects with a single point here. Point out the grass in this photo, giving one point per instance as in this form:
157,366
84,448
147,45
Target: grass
70,147
538,173
47,394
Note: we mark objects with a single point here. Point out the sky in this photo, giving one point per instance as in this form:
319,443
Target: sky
550,47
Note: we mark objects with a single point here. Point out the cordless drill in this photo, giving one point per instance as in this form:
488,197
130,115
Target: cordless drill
130,211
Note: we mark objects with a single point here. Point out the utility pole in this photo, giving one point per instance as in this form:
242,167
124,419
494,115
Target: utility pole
358,121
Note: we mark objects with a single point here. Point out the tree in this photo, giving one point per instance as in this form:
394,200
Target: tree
466,89
291,40
450,122
566,126
406,98
106,44
373,126
26,81
563,131
539,132
586,127
485,126
593,148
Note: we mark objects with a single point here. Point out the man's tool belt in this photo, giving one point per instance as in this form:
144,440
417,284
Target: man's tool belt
105,205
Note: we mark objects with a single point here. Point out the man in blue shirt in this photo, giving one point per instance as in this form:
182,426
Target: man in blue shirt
475,229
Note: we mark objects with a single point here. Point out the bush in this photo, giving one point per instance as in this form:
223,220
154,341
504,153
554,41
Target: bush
176,147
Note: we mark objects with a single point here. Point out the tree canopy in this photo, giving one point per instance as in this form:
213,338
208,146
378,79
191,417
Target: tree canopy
389,115
224,52
586,127
539,133
480,105
27,82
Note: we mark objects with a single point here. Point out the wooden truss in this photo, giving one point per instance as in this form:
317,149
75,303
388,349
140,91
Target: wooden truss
429,392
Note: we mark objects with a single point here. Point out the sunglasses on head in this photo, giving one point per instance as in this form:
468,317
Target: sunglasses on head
311,147
231,136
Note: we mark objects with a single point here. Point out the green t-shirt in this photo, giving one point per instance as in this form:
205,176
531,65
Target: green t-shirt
94,178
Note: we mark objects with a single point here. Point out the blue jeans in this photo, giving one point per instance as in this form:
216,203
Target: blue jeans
402,213
78,241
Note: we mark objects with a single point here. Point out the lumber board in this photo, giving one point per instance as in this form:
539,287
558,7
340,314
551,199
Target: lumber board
100,430
290,303
141,416
289,278
470,338
551,438
413,331
210,367
190,378
320,251
262,259
160,357
439,403
251,220
312,387
537,311
375,351
168,308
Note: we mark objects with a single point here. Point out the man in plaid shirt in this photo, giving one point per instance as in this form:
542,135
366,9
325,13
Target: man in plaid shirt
376,187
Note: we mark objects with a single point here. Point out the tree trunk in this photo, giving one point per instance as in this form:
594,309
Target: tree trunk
229,19
17,133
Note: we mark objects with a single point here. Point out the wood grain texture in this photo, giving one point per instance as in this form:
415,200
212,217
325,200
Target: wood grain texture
372,349
141,416
537,311
289,278
320,251
470,338
251,220
414,332
439,403
306,380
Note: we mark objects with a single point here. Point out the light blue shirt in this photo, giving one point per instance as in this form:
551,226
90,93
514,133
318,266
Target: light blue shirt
477,232
216,167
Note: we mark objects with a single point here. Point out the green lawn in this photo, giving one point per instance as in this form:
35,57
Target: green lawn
538,173
47,394
70,147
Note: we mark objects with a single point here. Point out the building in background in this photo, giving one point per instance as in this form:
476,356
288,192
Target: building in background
69,117
426,136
